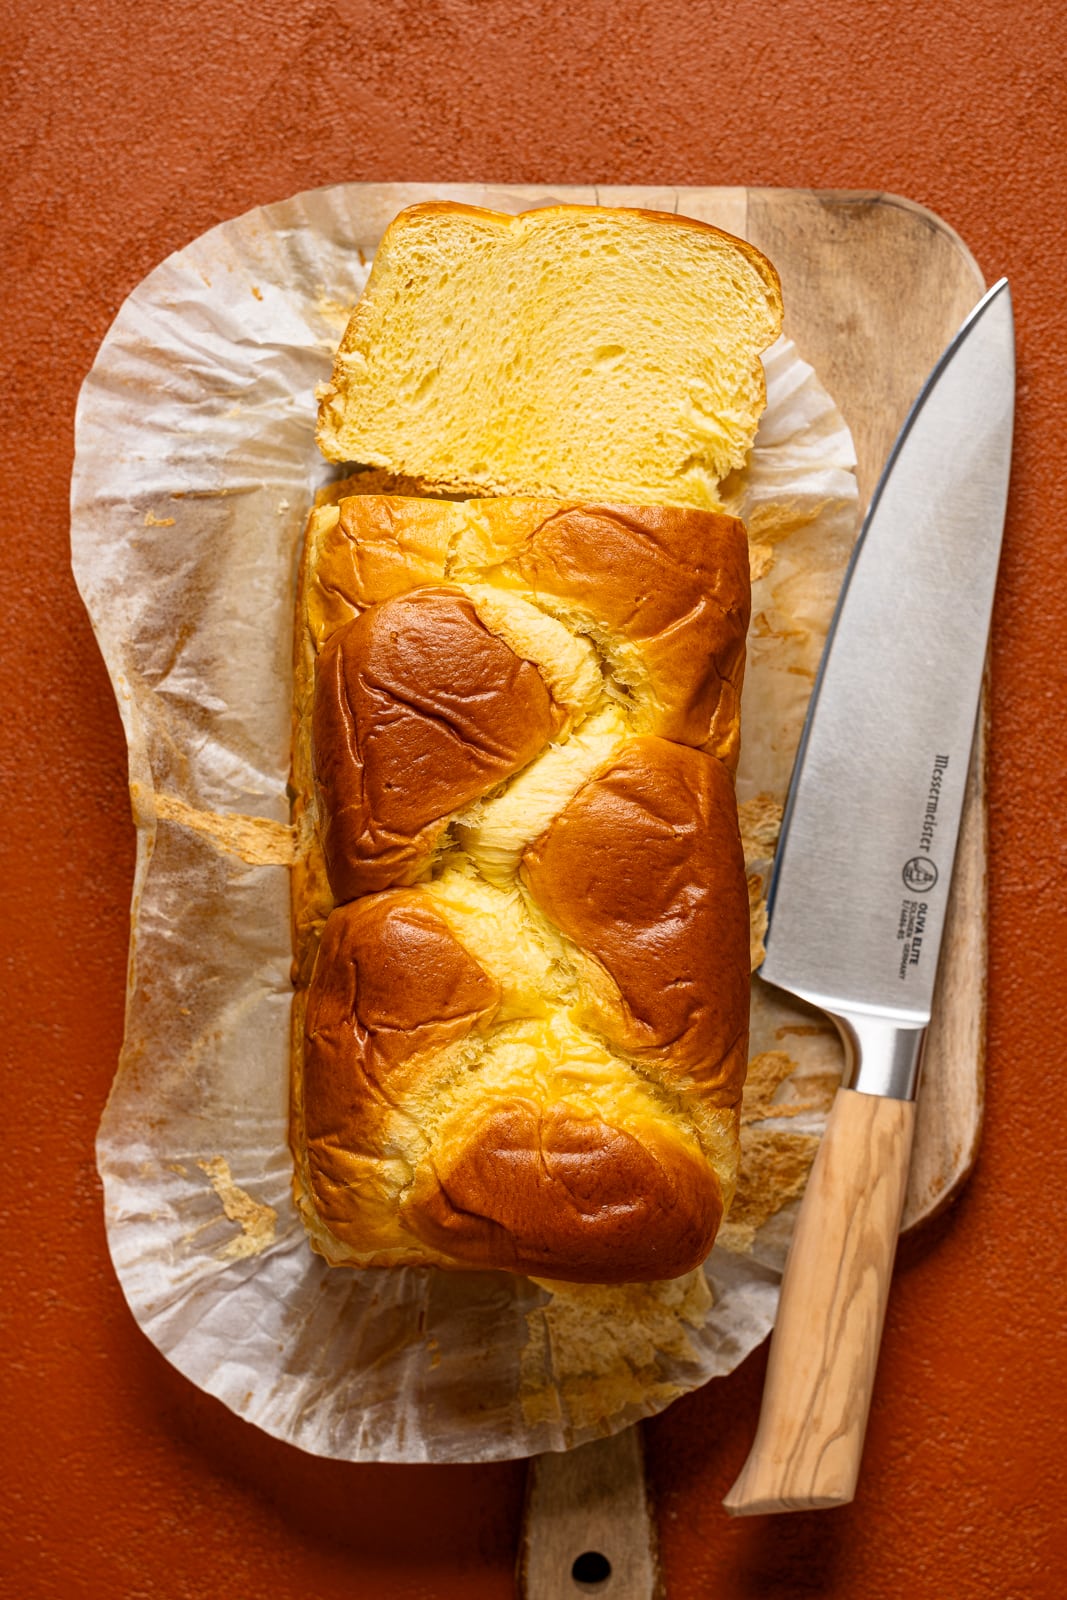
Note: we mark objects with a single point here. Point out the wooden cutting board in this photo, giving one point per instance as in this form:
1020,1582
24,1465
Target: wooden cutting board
874,287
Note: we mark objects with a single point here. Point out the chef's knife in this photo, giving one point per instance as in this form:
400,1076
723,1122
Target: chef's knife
860,888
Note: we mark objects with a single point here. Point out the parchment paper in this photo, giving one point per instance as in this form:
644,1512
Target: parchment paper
195,466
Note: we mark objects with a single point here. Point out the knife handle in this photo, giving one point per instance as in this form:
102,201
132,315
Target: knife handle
824,1350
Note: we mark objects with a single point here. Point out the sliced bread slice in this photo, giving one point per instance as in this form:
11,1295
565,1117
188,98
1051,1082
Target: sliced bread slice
571,351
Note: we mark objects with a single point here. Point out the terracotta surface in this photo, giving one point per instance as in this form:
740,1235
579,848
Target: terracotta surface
128,129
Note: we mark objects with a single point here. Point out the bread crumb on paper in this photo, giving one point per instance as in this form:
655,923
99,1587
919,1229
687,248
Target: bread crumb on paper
766,1074
761,822
774,1161
775,519
757,918
257,1220
774,1170
760,561
255,840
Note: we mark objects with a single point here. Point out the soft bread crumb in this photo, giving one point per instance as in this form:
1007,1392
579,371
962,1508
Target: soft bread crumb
760,561
569,351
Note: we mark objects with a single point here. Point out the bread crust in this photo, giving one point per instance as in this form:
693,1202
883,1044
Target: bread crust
543,1075
386,709
643,867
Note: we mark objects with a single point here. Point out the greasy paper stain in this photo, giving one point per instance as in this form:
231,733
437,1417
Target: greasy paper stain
763,628
257,1220
766,1075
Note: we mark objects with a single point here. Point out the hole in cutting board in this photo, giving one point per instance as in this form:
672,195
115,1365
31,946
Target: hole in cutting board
591,1570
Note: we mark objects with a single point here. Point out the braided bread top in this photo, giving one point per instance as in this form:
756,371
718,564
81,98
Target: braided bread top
526,1028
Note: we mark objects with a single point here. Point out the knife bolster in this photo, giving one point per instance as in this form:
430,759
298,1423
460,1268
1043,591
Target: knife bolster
881,1057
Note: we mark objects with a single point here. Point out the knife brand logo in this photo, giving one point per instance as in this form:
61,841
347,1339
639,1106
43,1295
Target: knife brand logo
929,822
920,874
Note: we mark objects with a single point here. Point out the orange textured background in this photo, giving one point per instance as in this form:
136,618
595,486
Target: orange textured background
127,130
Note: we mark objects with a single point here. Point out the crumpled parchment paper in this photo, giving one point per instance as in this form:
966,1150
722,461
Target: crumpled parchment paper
195,467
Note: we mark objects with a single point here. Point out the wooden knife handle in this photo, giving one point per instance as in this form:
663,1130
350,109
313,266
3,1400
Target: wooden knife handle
824,1350
588,1527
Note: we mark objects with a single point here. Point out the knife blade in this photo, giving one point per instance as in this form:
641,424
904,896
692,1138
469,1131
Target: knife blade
860,888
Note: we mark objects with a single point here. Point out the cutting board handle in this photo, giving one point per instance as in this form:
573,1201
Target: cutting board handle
824,1350
588,1527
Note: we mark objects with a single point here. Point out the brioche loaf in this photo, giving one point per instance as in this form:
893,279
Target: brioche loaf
523,1041
521,912
579,351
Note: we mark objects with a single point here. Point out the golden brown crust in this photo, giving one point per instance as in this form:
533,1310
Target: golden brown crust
672,582
675,582
541,1075
534,1188
419,709
644,870
391,986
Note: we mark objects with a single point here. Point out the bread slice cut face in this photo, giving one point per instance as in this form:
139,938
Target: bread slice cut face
573,350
